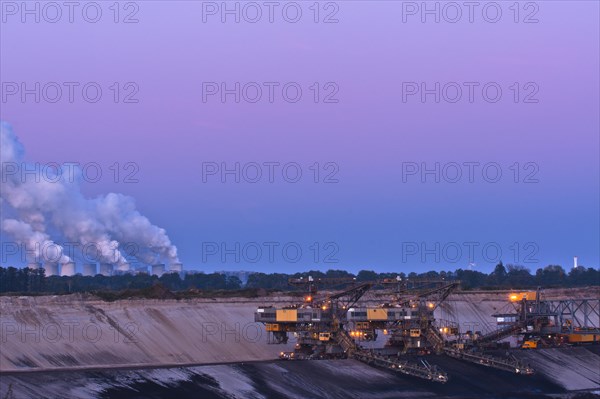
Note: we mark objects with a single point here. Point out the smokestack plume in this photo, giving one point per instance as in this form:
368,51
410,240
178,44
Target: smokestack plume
39,212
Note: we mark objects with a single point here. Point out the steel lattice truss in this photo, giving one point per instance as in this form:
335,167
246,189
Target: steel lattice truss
575,314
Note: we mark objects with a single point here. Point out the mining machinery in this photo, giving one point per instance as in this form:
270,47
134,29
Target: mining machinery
322,329
540,322
334,326
410,317
413,329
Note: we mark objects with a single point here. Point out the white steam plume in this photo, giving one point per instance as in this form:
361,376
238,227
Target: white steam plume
102,225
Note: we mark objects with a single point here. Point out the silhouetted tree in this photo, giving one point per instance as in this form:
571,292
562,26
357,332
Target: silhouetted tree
366,275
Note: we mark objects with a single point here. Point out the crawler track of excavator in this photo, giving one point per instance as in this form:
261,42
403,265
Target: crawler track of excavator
425,371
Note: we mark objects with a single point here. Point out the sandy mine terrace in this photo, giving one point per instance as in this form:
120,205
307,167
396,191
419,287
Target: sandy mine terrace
75,332
70,334
49,333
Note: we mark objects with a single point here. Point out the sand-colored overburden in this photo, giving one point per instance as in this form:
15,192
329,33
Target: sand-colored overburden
41,333
75,331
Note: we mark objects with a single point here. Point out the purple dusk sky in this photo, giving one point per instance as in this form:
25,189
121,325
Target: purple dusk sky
376,212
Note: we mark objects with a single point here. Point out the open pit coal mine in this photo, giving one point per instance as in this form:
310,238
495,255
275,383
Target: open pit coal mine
78,346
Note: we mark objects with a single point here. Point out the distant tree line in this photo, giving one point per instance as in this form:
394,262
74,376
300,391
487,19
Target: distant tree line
508,277
34,281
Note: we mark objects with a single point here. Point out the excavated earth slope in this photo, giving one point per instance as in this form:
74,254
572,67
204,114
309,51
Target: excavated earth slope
69,346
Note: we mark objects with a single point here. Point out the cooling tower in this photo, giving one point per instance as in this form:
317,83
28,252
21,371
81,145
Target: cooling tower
89,269
106,269
141,269
123,268
158,269
176,267
51,269
67,269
